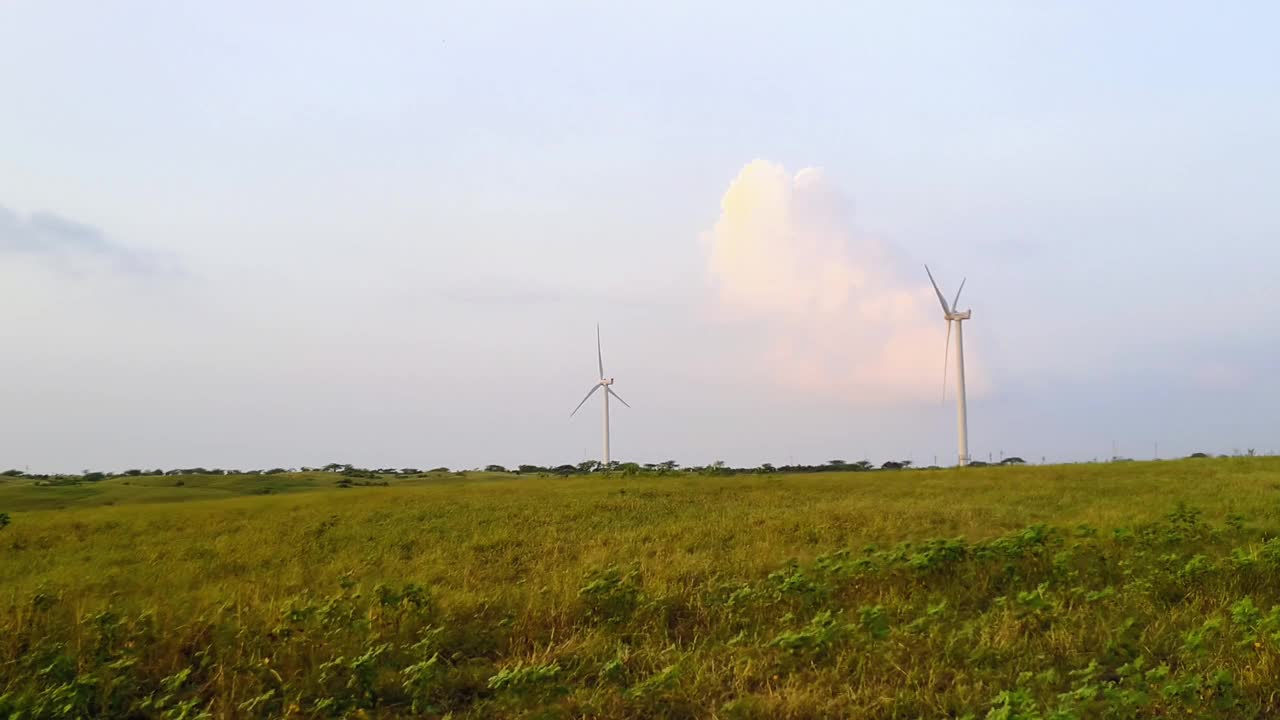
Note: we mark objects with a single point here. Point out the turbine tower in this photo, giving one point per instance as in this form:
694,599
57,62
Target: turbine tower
953,315
602,383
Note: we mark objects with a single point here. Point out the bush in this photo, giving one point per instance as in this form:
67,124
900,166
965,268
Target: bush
4,520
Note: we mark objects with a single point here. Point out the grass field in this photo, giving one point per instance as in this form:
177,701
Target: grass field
1113,591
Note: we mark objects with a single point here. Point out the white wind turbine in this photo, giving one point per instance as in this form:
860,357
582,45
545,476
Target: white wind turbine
602,383
953,315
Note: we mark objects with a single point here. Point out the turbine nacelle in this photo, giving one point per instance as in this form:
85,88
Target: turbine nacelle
958,315
606,381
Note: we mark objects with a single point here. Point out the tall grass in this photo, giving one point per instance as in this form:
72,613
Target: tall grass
1124,590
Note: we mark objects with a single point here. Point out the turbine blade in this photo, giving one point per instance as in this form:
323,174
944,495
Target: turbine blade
946,354
611,392
955,304
584,400
599,355
941,299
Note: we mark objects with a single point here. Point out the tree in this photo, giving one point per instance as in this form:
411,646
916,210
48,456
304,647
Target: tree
716,468
1198,455
767,468
588,466
892,465
494,468
1014,460
4,520
863,466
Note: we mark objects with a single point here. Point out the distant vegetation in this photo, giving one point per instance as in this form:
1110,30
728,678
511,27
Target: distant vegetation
1108,590
589,466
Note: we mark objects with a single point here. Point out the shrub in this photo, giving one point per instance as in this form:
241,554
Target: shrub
610,595
815,639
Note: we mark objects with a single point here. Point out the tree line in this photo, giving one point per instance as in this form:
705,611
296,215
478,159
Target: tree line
668,467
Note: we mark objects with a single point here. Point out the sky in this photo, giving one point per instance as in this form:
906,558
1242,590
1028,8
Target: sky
248,235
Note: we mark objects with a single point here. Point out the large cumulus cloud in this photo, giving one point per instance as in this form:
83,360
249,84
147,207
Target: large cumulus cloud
833,312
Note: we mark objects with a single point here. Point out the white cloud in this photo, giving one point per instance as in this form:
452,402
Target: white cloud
835,313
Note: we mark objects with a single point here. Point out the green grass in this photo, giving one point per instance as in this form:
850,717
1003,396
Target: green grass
1117,590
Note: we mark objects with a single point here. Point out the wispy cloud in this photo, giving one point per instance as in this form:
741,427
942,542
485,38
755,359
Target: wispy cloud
502,297
489,293
48,235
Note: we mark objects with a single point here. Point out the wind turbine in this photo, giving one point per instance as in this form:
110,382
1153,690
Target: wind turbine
602,383
953,315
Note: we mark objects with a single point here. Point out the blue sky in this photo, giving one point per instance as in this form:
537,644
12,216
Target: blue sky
245,235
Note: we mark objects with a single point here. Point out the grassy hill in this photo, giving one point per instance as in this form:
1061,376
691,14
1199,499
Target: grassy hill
1116,590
